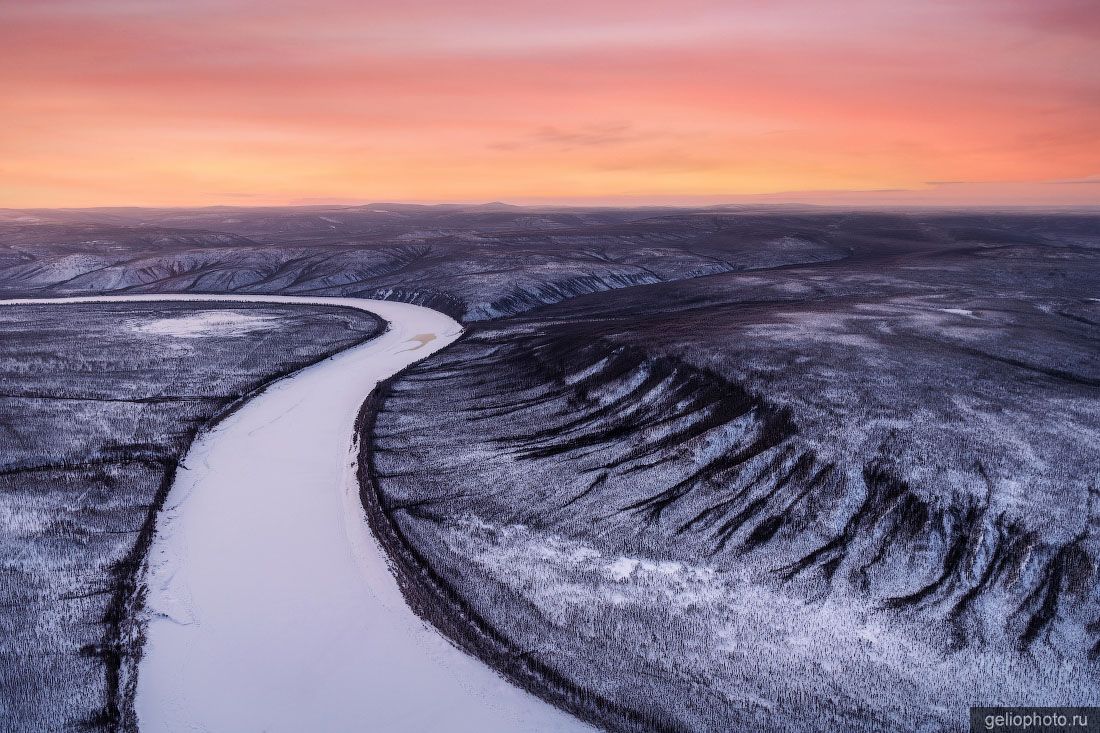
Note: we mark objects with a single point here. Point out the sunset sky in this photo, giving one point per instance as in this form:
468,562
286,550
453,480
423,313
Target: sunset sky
247,102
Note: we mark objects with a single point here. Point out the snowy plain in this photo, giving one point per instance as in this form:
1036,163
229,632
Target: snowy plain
270,605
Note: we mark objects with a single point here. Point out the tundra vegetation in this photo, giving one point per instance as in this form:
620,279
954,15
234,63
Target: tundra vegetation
860,494
704,469
97,405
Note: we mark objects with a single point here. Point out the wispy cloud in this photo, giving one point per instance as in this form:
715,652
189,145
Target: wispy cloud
599,135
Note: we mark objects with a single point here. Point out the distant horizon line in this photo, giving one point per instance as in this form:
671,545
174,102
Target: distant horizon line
882,206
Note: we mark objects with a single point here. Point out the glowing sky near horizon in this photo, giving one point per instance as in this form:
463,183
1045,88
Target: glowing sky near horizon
194,102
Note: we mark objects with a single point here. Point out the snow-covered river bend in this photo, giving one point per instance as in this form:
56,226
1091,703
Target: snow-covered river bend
271,606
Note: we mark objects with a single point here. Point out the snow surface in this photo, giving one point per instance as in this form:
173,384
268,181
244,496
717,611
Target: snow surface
210,323
271,606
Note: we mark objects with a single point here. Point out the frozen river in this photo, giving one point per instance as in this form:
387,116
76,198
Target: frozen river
270,605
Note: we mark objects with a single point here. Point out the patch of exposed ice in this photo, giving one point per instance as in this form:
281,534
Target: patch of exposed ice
206,323
958,311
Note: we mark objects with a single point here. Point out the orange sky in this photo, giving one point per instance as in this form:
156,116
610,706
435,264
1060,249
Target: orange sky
194,102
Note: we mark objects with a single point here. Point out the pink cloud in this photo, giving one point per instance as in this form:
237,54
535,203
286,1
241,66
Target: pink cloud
349,99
